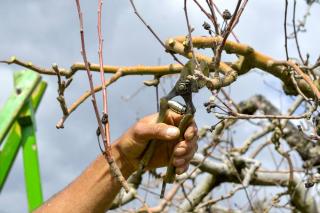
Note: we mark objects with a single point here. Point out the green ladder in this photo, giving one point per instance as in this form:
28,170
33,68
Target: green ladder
17,129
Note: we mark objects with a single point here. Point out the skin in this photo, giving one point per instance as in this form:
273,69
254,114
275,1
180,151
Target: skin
95,189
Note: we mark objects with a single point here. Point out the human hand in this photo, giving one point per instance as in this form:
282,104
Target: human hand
132,144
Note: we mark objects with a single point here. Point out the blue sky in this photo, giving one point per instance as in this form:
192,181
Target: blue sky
47,32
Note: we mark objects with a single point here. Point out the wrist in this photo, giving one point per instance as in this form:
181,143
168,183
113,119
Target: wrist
124,164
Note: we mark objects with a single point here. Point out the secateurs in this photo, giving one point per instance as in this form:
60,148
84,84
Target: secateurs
184,87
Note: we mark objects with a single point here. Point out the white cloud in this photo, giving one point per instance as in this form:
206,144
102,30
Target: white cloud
47,31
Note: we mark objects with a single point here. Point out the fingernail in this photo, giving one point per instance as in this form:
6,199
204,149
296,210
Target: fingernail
172,132
179,171
190,136
180,151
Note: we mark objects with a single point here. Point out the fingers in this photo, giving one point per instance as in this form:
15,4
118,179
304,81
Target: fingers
185,147
173,118
191,131
184,150
159,131
147,128
190,142
181,164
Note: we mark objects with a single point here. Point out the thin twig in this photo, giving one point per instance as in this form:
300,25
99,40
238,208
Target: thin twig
62,85
211,17
245,116
295,83
285,29
190,44
233,34
127,70
104,92
248,176
214,17
230,101
225,36
297,69
87,94
295,31
114,168
239,13
152,31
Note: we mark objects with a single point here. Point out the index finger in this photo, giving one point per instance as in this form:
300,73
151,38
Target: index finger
191,131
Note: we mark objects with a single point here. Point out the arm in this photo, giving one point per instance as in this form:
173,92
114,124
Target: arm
95,189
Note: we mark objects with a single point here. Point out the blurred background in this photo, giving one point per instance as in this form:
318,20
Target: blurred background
46,32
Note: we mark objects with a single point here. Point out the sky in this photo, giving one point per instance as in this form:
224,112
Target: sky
47,32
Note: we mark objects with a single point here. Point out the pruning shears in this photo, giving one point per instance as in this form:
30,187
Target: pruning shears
184,87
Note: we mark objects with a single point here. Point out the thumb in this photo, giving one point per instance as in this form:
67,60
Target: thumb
159,131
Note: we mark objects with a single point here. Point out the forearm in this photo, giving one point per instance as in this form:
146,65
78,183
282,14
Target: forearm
93,191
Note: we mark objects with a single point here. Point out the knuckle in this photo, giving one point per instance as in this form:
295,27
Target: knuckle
138,130
183,144
157,129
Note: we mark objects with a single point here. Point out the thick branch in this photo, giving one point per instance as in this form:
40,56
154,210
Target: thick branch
230,74
300,199
127,70
297,140
255,59
86,95
198,193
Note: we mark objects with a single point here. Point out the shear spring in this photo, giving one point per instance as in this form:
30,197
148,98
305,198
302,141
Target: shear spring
177,107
